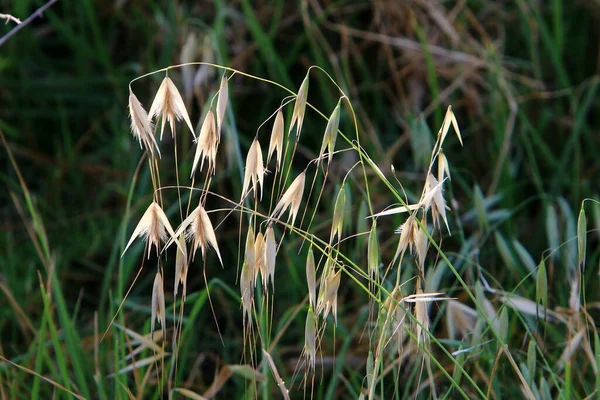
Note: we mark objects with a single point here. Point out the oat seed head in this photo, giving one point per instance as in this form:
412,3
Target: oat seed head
250,255
310,339
181,266
255,170
299,108
141,126
206,144
259,259
443,167
169,106
328,301
270,254
222,104
199,229
154,226
337,222
291,199
158,303
330,136
311,279
276,142
449,119
434,198
247,292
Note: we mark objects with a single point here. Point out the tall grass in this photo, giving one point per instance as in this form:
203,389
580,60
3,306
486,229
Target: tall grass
515,263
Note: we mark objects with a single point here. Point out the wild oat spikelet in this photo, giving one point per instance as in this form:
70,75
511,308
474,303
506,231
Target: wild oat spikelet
199,229
181,266
311,280
421,316
434,198
206,144
270,255
250,254
299,108
276,142
449,119
337,222
291,199
443,168
158,304
247,292
169,106
222,104
421,244
141,126
154,226
259,258
407,233
310,339
328,294
255,170
330,135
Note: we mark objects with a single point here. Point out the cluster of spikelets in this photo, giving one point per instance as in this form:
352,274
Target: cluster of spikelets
196,230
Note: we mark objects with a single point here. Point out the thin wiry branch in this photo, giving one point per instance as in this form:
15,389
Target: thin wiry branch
36,13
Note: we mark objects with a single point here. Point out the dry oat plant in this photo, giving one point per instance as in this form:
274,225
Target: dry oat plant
278,192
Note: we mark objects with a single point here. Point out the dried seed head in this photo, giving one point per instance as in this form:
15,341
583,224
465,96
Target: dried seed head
199,229
330,135
250,254
181,266
291,199
276,143
270,254
443,168
328,294
310,339
421,316
158,303
338,215
299,108
449,119
433,197
259,258
141,126
222,104
255,170
206,144
421,243
154,226
407,236
169,106
247,291
311,277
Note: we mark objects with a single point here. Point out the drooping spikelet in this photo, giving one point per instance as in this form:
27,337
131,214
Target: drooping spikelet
181,266
206,144
270,255
291,199
222,104
259,258
169,106
255,170
154,226
299,108
247,292
328,294
158,303
311,279
330,135
200,231
276,142
141,126
434,198
250,254
310,339
337,222
449,119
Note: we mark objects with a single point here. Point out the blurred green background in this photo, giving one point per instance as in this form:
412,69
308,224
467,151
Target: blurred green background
522,78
